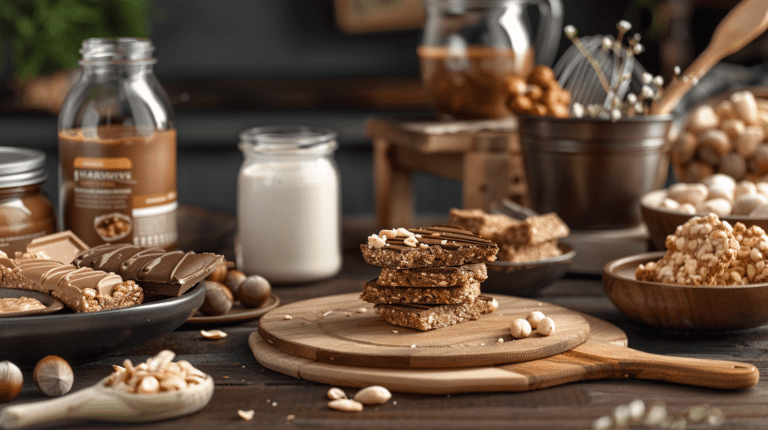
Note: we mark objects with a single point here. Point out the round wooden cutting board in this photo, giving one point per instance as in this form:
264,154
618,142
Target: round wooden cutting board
343,330
604,355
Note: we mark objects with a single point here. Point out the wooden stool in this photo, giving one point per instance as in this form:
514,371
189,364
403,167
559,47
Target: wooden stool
485,156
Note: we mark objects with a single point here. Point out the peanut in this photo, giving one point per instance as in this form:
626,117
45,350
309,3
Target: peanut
373,395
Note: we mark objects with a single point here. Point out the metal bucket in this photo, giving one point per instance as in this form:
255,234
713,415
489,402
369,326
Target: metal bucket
593,172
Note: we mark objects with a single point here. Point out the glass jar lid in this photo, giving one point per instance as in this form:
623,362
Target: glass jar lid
99,49
297,140
21,166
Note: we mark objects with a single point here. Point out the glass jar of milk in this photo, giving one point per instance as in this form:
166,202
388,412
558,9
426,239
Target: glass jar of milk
288,204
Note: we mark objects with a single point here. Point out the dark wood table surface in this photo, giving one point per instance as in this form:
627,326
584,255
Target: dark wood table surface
242,383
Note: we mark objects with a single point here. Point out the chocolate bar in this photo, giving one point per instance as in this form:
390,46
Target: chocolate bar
429,247
159,271
81,289
63,246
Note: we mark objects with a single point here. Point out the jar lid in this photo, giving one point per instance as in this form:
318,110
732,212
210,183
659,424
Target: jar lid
288,140
21,166
121,49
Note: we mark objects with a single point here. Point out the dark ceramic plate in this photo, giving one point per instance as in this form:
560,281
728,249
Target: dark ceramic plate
238,313
85,337
527,278
51,305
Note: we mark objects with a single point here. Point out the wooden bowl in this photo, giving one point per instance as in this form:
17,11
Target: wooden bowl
682,307
662,222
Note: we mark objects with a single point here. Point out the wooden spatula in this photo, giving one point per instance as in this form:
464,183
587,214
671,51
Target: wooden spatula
743,24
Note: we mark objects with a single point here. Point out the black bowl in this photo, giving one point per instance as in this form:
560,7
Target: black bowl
528,277
82,337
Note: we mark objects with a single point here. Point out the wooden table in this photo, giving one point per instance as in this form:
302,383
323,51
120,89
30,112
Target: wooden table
241,383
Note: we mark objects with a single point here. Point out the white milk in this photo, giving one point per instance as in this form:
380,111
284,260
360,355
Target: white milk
288,219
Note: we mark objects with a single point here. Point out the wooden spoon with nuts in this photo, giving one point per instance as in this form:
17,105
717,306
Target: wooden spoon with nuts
106,403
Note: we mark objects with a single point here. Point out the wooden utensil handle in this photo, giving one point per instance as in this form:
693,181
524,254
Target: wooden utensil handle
27,414
630,363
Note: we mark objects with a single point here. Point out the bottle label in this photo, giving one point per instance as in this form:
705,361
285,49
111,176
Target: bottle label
117,186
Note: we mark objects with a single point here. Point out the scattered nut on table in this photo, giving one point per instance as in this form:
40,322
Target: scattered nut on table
345,405
213,334
336,393
246,415
373,395
520,328
53,376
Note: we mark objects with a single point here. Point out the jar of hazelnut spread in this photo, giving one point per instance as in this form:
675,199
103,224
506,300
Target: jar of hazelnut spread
25,210
117,149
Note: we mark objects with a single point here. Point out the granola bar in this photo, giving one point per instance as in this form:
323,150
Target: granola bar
749,267
522,253
82,290
428,317
481,223
427,277
428,247
375,293
535,229
697,254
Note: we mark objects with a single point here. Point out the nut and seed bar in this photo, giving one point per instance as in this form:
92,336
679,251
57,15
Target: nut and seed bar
481,223
159,271
749,267
428,277
82,290
697,253
375,293
429,317
535,229
522,253
430,247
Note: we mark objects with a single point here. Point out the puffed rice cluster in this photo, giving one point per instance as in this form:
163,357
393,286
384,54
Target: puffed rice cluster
708,251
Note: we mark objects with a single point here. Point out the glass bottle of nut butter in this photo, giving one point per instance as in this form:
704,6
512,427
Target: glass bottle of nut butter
117,149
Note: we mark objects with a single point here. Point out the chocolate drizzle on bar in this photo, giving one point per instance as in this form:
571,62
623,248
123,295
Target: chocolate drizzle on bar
158,271
435,235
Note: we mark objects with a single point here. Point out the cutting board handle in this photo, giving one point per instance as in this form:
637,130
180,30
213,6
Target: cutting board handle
630,363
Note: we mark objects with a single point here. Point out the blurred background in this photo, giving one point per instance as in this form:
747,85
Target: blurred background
228,66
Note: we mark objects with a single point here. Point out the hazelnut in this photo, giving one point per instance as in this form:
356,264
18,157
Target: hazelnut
702,118
520,105
520,328
745,106
542,76
684,147
254,291
717,141
218,299
734,165
695,171
53,376
559,111
11,381
733,127
539,109
233,280
724,110
219,273
759,161
516,85
749,139
535,93
534,318
546,326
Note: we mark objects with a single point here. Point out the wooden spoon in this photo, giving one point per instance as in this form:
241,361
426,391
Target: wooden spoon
103,403
742,25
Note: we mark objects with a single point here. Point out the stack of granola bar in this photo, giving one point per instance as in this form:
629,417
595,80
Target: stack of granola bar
430,277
